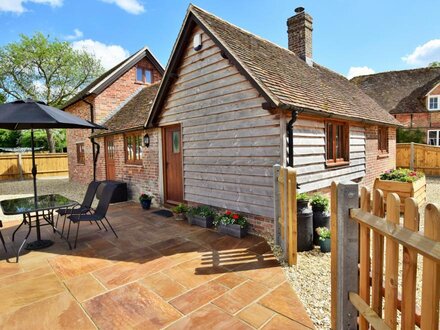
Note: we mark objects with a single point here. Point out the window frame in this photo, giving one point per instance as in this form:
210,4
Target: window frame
80,153
383,143
144,76
437,137
345,144
138,136
428,105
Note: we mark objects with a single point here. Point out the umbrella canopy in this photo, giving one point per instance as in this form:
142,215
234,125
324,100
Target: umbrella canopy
30,114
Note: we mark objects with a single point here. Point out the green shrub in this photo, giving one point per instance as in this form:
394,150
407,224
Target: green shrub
323,233
319,203
202,211
410,135
180,209
401,175
303,197
145,197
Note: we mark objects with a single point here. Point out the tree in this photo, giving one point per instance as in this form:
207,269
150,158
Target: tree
47,70
8,139
434,64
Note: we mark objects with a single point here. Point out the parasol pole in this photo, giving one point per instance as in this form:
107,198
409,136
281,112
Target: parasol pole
34,167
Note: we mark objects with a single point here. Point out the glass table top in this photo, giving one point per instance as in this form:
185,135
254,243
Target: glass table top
27,204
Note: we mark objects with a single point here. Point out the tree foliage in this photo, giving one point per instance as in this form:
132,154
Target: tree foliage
410,135
434,64
46,70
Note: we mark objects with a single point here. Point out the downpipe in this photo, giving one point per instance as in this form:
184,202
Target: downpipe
290,139
95,146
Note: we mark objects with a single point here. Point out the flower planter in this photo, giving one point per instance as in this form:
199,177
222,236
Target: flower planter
416,189
325,245
146,204
205,222
232,230
180,216
320,219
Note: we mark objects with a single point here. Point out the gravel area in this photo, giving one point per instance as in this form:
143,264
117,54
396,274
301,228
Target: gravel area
311,277
16,189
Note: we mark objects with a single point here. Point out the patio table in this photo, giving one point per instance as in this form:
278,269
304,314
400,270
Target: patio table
40,208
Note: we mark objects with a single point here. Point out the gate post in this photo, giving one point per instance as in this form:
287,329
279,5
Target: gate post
346,254
276,204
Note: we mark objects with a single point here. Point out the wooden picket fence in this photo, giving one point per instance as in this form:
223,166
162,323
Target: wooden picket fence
419,157
285,212
361,234
19,166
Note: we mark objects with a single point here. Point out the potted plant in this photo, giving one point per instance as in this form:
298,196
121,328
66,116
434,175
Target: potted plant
321,217
145,200
404,182
180,211
304,217
202,216
324,238
231,224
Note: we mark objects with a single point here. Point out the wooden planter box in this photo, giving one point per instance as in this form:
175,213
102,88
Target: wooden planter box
416,189
200,221
232,230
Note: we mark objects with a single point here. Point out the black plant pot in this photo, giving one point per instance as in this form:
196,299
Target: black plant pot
205,222
320,219
304,226
232,230
146,204
325,245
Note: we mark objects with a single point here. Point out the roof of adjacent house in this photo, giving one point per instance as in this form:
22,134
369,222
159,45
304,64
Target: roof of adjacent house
400,91
284,79
110,76
132,115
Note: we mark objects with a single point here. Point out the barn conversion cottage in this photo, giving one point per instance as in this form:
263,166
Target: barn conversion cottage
230,106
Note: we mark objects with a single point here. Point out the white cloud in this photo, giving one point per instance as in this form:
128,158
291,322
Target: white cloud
77,33
110,55
355,71
130,6
16,6
423,55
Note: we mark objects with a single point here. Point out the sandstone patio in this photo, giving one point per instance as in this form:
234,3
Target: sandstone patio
160,273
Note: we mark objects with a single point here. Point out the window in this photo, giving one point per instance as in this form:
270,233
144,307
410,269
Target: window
434,138
133,148
80,157
337,143
433,103
382,139
144,75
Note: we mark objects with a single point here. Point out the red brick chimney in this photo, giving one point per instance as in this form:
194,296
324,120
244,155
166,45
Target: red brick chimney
299,31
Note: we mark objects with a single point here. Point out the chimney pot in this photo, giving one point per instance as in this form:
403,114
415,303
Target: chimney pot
299,31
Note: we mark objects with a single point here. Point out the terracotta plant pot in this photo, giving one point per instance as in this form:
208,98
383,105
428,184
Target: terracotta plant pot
205,222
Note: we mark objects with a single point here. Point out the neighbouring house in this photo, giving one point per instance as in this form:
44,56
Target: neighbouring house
221,116
119,100
411,96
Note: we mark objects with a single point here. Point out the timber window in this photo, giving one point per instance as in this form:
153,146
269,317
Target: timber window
337,143
144,75
133,148
434,103
80,155
434,138
382,139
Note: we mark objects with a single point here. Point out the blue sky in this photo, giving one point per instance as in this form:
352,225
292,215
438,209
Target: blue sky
365,36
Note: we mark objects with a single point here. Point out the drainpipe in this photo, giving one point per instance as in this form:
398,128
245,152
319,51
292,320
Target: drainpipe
95,151
290,138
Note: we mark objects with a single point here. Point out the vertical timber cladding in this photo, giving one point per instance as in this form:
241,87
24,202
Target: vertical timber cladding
230,143
309,155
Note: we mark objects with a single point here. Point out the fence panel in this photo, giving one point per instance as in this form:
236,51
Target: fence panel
19,166
421,157
349,300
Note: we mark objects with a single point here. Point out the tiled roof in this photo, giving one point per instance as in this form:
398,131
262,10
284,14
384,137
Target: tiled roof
400,91
132,115
289,80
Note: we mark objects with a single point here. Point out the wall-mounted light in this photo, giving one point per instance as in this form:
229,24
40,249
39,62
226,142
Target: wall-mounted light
146,140
197,41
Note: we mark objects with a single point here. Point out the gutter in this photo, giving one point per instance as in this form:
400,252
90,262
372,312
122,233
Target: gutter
95,152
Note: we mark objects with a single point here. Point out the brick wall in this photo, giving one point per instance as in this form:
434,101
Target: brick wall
139,178
375,162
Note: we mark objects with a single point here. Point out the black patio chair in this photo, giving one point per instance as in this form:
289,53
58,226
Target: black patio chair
95,215
83,208
1,237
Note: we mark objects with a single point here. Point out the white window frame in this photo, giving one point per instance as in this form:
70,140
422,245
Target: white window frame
437,137
428,102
